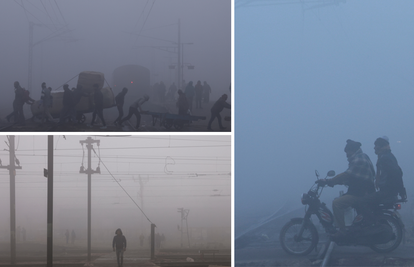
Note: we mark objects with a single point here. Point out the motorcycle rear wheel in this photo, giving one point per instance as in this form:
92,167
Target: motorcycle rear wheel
288,238
393,244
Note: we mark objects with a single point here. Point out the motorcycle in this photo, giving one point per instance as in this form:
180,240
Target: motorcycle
382,231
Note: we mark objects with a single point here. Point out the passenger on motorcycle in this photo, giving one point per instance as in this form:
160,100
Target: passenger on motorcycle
359,177
388,180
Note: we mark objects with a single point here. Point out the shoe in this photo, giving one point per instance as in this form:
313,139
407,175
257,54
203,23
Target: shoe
8,119
103,127
209,128
222,128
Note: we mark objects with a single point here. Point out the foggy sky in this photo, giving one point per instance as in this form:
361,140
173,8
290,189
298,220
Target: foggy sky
307,79
102,35
190,172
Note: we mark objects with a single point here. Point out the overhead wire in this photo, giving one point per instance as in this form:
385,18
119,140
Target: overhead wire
139,33
103,163
47,13
61,12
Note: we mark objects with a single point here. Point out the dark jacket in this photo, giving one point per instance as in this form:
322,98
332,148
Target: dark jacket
220,105
68,98
120,99
98,99
359,177
119,241
389,174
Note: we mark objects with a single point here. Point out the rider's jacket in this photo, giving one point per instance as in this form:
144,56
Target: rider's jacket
389,173
361,174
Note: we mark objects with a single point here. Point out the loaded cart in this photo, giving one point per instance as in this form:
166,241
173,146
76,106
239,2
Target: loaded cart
169,120
86,80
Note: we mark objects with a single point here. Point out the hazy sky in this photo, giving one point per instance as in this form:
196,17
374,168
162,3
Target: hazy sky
103,35
308,77
190,172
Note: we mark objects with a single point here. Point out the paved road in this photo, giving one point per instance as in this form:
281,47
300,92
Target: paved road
341,256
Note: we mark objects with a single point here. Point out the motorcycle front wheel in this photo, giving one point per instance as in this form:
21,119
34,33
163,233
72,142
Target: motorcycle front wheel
393,244
298,245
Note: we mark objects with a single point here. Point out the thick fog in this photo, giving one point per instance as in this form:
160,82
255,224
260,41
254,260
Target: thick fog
310,76
155,174
101,35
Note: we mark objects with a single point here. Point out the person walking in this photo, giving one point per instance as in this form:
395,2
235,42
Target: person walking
189,93
98,109
198,89
182,103
135,109
46,100
119,245
216,109
120,100
17,104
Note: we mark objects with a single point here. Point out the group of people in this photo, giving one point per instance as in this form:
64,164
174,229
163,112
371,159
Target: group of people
71,98
198,93
366,187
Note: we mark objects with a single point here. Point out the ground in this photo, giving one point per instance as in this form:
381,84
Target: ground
110,114
34,254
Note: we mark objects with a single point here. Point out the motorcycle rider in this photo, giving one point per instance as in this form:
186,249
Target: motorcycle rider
388,180
359,177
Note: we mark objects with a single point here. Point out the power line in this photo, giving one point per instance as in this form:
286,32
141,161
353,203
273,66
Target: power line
60,12
122,187
41,1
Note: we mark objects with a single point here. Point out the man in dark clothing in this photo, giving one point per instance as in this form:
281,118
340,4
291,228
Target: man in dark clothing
67,103
388,180
182,103
206,92
135,109
18,103
216,109
189,93
78,93
359,177
67,236
120,100
98,109
171,91
46,100
119,245
198,94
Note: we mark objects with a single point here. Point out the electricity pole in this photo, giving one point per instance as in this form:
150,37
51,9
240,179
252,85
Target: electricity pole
49,175
89,145
179,56
12,172
184,215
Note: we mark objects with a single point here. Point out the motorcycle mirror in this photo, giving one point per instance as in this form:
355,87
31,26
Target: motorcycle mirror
331,173
317,174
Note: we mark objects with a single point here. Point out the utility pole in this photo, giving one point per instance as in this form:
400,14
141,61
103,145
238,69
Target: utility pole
49,175
29,79
179,56
12,172
89,145
152,241
184,215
